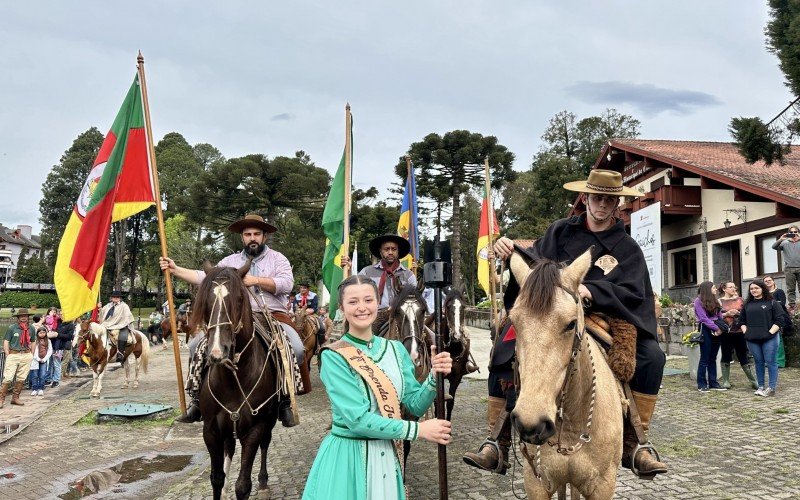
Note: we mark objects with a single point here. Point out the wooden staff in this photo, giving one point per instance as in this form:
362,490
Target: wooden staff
348,165
162,235
490,256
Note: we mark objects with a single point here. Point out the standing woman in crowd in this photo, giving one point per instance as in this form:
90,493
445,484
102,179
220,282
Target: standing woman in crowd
358,460
731,306
780,297
761,320
707,310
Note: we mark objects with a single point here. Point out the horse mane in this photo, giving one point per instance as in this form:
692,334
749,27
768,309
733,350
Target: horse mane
452,295
538,291
238,298
403,295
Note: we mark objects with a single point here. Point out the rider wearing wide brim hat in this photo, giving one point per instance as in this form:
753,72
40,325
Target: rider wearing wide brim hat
254,221
602,182
403,246
22,311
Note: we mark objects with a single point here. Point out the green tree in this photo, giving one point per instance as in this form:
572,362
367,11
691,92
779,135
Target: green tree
178,169
33,270
370,218
448,166
782,31
62,187
470,221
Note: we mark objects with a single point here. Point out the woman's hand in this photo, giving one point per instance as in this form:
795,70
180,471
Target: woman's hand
503,248
435,430
442,362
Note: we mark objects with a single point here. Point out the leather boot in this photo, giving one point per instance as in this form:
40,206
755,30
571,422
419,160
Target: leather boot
725,376
305,376
645,462
192,413
3,391
286,415
471,367
16,392
493,452
750,374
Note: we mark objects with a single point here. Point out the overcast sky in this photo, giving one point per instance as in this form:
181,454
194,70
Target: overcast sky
273,77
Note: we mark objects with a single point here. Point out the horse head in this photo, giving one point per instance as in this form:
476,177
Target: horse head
222,306
454,315
407,320
548,316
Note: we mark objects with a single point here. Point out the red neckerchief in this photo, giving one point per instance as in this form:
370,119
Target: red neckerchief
303,300
25,337
388,272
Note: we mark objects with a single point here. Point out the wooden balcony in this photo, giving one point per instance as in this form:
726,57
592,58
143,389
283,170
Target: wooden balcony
676,202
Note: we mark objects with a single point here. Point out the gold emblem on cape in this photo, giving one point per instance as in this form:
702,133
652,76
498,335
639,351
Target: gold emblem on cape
607,263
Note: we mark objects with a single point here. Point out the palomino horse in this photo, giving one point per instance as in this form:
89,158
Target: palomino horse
307,326
456,342
239,394
565,386
137,345
97,350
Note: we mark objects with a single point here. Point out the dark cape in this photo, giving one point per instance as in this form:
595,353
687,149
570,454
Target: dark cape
624,293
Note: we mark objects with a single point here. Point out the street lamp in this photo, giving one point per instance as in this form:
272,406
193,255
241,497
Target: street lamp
741,214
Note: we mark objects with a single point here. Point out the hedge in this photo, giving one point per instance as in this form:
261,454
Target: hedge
28,299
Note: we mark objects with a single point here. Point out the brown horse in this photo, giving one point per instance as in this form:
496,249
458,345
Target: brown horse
137,345
239,393
565,386
307,326
96,349
183,326
456,342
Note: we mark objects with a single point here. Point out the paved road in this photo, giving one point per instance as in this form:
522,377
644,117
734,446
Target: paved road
719,445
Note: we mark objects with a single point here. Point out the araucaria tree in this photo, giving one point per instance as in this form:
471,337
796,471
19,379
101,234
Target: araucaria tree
448,165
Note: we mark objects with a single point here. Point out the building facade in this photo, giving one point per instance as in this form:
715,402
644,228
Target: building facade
13,244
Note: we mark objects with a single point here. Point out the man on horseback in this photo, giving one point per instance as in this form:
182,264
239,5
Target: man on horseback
388,274
270,279
617,285
116,317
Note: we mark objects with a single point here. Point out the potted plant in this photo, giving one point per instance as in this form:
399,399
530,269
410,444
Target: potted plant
691,347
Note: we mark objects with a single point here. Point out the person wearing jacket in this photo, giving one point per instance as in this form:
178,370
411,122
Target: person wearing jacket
41,350
731,305
761,319
707,310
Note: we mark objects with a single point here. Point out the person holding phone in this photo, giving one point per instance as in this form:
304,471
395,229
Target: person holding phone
789,244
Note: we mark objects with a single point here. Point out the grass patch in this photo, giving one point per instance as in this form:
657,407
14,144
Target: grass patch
749,415
88,419
681,447
781,411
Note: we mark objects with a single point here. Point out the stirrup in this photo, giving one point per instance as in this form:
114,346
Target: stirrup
500,461
648,446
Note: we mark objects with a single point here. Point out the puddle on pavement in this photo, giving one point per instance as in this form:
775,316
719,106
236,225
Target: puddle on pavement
8,475
128,472
11,428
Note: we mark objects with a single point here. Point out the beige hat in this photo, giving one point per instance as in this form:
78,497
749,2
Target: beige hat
252,220
602,182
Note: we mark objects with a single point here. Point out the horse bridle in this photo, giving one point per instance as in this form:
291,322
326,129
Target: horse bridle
585,437
411,336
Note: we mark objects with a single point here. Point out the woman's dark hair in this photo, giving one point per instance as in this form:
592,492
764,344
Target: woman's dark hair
765,293
355,280
707,298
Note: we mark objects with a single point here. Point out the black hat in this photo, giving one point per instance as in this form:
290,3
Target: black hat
252,220
403,246
304,283
116,293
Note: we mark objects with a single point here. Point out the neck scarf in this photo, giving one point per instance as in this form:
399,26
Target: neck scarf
388,273
25,337
303,300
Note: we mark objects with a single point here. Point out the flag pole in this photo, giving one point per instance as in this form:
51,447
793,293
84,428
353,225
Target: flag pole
490,256
412,209
348,165
161,233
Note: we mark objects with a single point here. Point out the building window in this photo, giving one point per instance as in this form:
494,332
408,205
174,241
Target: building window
768,260
685,266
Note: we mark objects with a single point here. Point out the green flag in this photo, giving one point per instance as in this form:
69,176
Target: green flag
333,227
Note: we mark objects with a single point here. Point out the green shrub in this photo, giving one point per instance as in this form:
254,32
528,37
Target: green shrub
28,299
666,300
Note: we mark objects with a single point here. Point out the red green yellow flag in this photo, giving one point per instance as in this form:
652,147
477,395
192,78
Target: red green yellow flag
483,241
119,185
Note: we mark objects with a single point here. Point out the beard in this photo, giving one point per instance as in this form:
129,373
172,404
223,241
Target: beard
254,249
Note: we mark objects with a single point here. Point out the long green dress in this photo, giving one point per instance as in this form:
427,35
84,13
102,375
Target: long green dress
357,459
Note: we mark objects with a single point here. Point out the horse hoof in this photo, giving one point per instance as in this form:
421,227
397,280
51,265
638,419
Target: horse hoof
136,385
124,386
263,493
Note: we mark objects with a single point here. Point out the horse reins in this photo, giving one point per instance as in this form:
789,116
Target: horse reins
585,437
392,322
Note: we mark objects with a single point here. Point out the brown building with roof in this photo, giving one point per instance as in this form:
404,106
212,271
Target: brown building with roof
719,214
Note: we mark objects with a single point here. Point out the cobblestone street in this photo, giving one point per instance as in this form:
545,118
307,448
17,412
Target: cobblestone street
718,445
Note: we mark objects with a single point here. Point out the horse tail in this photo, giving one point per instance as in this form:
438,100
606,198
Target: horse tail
145,351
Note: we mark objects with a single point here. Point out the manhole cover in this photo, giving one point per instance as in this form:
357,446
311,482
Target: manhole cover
131,410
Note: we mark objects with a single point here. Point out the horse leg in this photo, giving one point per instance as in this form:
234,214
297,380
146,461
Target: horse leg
453,387
94,392
250,447
100,382
230,449
216,452
127,364
137,361
406,453
266,439
535,488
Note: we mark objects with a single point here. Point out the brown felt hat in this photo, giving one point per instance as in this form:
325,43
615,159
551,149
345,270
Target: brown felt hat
252,220
22,311
602,182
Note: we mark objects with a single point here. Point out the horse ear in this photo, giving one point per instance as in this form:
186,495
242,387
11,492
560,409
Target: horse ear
574,273
242,271
519,268
207,267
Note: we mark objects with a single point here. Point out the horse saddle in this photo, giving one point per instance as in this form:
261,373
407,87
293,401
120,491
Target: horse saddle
618,338
122,338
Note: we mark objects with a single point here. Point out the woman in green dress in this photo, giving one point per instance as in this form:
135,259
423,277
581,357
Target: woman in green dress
357,460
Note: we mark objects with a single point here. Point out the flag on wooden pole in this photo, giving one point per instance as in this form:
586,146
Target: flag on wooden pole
487,227
119,185
407,226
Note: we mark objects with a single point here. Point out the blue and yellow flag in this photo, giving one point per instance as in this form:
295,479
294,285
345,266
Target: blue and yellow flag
407,226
